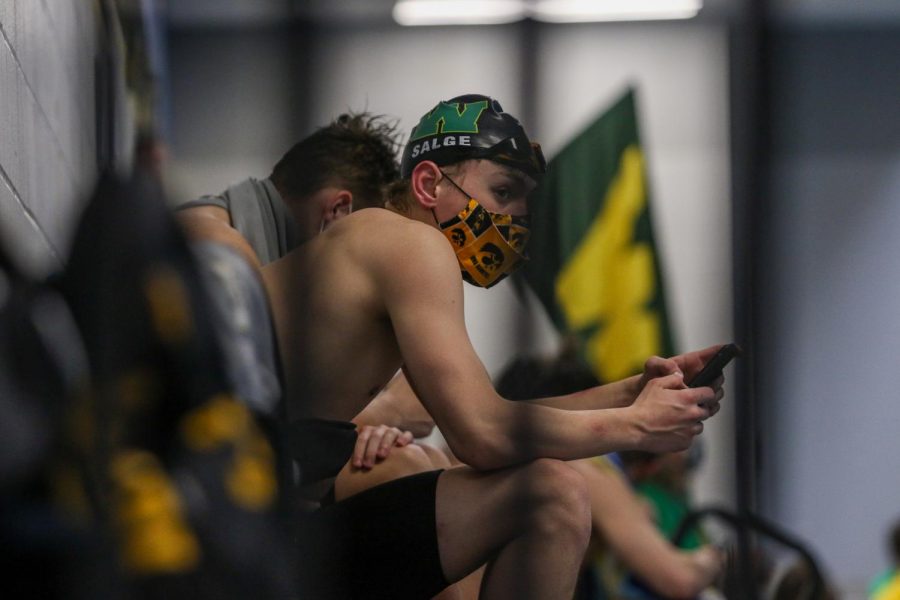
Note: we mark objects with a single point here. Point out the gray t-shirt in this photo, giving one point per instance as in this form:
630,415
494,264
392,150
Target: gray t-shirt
259,214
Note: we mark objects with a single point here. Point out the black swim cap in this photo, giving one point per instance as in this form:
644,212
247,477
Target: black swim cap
467,127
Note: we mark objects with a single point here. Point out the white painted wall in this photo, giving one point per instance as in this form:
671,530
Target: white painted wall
47,145
830,337
232,112
403,72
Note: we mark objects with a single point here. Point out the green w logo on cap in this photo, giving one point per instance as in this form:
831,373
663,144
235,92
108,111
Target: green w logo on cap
448,118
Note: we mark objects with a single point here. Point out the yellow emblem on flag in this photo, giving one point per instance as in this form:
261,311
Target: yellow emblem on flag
608,282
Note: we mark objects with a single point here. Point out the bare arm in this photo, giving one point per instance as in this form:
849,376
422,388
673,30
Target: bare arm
618,394
418,278
623,523
623,393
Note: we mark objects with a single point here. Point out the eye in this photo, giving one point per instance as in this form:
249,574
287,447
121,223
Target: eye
503,193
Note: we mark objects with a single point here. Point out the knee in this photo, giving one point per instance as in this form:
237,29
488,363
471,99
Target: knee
558,499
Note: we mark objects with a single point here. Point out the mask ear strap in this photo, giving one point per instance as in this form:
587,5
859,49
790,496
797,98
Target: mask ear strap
462,191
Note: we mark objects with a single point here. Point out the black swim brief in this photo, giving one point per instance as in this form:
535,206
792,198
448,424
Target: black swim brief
320,447
380,543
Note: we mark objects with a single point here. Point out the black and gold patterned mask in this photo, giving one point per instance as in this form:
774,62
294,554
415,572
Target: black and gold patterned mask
489,246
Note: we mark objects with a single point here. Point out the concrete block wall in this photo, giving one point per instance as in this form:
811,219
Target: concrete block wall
47,125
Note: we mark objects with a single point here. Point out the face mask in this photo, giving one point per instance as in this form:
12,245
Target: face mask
489,246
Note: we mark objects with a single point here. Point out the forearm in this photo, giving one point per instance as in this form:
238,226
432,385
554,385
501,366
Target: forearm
511,433
611,395
488,432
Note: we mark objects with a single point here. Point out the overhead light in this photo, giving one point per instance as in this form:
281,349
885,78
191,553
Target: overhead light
588,11
459,12
498,12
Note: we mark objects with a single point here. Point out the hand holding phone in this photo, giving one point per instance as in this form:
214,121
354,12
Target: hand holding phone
712,370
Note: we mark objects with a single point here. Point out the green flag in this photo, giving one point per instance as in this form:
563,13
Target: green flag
594,263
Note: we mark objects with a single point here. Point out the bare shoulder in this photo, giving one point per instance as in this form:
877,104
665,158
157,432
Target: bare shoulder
407,262
389,241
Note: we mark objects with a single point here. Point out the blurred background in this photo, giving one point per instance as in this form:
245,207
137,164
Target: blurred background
772,144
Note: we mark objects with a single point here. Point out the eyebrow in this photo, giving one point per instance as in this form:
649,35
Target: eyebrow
513,174
527,183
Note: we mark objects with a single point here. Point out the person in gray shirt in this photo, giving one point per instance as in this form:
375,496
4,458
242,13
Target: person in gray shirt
344,165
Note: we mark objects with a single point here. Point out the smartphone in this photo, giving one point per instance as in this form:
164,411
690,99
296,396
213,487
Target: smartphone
713,368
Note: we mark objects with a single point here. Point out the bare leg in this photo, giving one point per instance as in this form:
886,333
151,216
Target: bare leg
530,523
470,586
401,462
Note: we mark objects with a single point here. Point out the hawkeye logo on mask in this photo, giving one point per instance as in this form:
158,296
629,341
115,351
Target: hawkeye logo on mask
488,246
488,260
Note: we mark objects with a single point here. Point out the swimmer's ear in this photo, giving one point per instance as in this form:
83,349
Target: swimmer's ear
424,182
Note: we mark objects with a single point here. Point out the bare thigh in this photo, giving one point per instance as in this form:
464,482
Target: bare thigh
402,462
